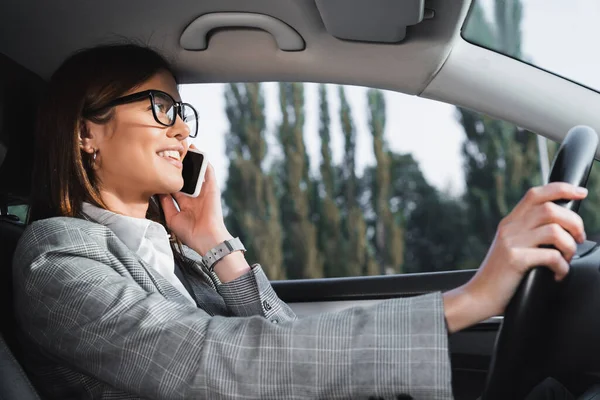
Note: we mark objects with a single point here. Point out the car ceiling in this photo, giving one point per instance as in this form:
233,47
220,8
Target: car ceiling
40,34
433,61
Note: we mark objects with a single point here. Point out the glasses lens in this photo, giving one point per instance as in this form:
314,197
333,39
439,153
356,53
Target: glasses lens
190,117
164,108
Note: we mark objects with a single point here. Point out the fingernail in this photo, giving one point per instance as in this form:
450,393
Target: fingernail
581,190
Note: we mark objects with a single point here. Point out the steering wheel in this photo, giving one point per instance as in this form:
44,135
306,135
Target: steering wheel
551,328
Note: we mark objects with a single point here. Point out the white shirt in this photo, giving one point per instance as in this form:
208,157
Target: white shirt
148,239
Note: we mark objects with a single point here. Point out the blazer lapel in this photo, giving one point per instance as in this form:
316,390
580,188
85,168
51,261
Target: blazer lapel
162,285
203,292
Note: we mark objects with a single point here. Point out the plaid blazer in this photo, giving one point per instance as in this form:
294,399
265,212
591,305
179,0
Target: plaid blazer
98,323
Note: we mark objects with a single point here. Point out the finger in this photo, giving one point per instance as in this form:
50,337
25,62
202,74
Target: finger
210,176
552,235
210,172
180,198
169,209
549,258
554,191
551,213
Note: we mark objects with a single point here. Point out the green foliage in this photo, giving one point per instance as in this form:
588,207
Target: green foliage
390,219
356,258
250,194
329,218
437,236
301,253
389,240
502,33
435,231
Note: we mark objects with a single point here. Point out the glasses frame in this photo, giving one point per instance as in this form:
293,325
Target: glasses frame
139,96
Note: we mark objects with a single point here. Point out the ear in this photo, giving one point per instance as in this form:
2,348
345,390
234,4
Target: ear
90,136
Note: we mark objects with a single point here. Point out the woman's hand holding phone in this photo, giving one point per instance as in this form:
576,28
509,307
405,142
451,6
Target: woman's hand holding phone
199,222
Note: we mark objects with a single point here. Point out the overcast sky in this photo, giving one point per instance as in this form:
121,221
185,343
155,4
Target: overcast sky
558,35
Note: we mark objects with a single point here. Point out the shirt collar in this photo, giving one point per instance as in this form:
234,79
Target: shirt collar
129,230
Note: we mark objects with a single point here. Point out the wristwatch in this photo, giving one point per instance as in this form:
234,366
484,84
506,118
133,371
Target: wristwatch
215,254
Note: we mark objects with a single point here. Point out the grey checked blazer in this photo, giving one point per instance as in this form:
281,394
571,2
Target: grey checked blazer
98,323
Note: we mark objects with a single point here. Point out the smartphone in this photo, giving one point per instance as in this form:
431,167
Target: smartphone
194,168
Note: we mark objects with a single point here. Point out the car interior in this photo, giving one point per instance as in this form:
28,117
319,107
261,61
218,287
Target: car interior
413,47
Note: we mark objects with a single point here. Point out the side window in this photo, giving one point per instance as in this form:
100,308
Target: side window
333,181
20,210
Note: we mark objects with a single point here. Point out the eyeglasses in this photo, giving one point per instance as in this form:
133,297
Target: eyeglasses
164,108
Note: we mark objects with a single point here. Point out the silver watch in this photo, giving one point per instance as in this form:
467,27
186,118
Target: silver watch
218,252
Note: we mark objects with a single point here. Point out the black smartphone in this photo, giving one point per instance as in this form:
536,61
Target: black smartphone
194,168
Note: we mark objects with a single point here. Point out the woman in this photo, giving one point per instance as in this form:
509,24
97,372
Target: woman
110,307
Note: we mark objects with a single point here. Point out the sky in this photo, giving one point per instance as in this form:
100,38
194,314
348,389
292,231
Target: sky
558,35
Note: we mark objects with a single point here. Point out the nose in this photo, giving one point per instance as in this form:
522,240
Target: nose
179,130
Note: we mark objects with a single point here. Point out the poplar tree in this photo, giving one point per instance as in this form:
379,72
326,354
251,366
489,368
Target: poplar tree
354,227
249,195
301,253
330,237
389,240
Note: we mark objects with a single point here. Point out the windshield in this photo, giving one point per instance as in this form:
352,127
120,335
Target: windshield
558,36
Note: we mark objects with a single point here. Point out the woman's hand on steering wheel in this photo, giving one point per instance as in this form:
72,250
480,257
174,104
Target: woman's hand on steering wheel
535,222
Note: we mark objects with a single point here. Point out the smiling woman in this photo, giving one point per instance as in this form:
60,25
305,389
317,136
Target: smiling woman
138,152
84,113
73,174
121,294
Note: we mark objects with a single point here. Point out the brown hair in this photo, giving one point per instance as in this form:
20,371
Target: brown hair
63,177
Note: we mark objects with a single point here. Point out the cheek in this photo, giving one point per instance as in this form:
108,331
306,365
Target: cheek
130,160
130,154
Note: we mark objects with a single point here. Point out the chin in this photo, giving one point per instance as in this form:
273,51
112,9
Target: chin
169,187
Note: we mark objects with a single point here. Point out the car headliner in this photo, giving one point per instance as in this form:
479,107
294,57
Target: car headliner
433,61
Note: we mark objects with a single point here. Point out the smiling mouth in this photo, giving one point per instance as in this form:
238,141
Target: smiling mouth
171,156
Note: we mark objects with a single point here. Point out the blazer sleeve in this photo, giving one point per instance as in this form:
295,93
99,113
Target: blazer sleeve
249,294
73,303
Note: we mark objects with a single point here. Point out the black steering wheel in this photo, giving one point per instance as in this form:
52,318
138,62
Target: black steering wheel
551,328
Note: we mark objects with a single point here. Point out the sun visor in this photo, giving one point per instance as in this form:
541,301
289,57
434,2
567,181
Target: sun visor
382,21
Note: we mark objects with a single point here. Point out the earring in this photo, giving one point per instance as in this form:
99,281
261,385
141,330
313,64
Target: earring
94,155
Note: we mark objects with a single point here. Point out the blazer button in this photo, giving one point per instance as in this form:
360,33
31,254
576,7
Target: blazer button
275,321
266,305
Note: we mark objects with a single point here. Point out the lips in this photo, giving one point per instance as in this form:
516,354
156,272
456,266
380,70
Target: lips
171,156
174,154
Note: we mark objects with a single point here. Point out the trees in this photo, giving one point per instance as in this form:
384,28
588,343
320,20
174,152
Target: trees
390,219
329,234
301,254
389,240
433,224
354,227
250,194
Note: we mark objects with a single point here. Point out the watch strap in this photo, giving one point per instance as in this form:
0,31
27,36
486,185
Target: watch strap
223,249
